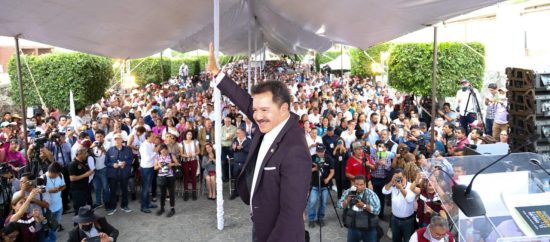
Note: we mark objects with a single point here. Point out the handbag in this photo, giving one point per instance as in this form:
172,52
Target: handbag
178,171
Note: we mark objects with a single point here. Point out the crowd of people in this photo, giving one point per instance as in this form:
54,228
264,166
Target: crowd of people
367,142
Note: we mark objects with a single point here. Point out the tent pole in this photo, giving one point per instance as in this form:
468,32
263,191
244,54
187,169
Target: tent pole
218,125
434,100
249,58
341,60
21,94
161,68
255,49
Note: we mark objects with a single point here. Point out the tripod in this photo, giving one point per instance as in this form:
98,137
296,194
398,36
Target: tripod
478,109
320,195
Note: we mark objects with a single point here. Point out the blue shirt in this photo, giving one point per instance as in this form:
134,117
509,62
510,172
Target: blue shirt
61,156
56,203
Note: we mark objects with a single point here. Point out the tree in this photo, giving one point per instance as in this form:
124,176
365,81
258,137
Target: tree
410,67
147,70
88,76
361,64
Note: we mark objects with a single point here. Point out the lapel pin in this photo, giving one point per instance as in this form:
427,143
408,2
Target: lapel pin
272,150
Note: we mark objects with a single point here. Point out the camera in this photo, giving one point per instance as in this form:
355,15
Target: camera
398,179
40,183
164,167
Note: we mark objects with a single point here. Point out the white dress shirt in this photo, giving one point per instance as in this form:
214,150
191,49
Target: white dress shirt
148,155
269,137
401,206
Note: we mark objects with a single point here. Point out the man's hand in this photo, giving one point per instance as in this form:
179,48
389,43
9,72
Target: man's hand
104,237
326,181
212,66
89,173
360,204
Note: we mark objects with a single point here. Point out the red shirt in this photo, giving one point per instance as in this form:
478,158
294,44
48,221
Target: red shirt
355,167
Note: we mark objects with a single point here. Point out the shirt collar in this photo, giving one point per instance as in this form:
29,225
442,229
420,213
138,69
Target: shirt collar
275,131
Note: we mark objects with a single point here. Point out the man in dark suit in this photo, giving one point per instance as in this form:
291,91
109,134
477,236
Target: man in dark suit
276,175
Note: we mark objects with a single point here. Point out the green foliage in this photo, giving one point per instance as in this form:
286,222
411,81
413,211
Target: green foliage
148,70
361,64
410,67
325,57
176,63
56,74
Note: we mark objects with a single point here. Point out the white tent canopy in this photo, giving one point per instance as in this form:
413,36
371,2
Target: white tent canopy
137,28
342,62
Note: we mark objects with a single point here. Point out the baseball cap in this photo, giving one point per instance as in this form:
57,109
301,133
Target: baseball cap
5,124
330,128
464,81
503,89
320,148
117,136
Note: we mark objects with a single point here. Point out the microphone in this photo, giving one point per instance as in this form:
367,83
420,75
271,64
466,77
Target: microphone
537,163
469,201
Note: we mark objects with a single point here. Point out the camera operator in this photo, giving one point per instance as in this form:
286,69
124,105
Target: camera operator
341,155
324,166
467,104
361,206
40,201
101,185
61,151
402,199
8,185
38,161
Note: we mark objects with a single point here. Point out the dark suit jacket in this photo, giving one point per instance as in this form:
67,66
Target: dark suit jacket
280,195
77,235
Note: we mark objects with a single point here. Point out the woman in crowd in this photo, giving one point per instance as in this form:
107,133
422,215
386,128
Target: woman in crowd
164,164
26,221
190,164
340,154
159,127
170,127
209,164
429,204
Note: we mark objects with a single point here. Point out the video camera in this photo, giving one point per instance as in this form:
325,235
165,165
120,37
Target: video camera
40,183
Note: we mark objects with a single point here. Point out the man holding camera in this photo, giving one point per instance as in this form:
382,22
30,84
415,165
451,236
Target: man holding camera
40,201
101,186
322,173
361,206
402,199
61,151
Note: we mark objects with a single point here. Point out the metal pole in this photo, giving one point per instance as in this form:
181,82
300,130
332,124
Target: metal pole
434,98
255,49
341,60
21,94
249,58
218,124
161,69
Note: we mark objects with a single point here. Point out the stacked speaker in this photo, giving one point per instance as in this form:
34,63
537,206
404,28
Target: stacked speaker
529,109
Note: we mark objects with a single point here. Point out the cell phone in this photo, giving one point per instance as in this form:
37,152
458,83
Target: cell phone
93,239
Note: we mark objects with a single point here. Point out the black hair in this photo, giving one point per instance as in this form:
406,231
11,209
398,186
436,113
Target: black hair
280,91
28,175
461,129
83,135
100,131
154,111
397,171
55,168
163,146
148,134
361,177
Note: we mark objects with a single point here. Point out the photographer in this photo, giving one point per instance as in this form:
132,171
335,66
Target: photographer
323,166
101,185
361,206
8,185
402,200
466,98
40,201
28,219
15,158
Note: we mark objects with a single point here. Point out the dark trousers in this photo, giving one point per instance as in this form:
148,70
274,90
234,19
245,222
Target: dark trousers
226,150
402,229
154,184
67,192
377,185
80,197
342,182
146,176
170,186
190,174
114,186
489,126
465,121
235,171
356,235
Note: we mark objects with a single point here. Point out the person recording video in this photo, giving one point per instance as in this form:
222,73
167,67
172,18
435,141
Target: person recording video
91,228
322,172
